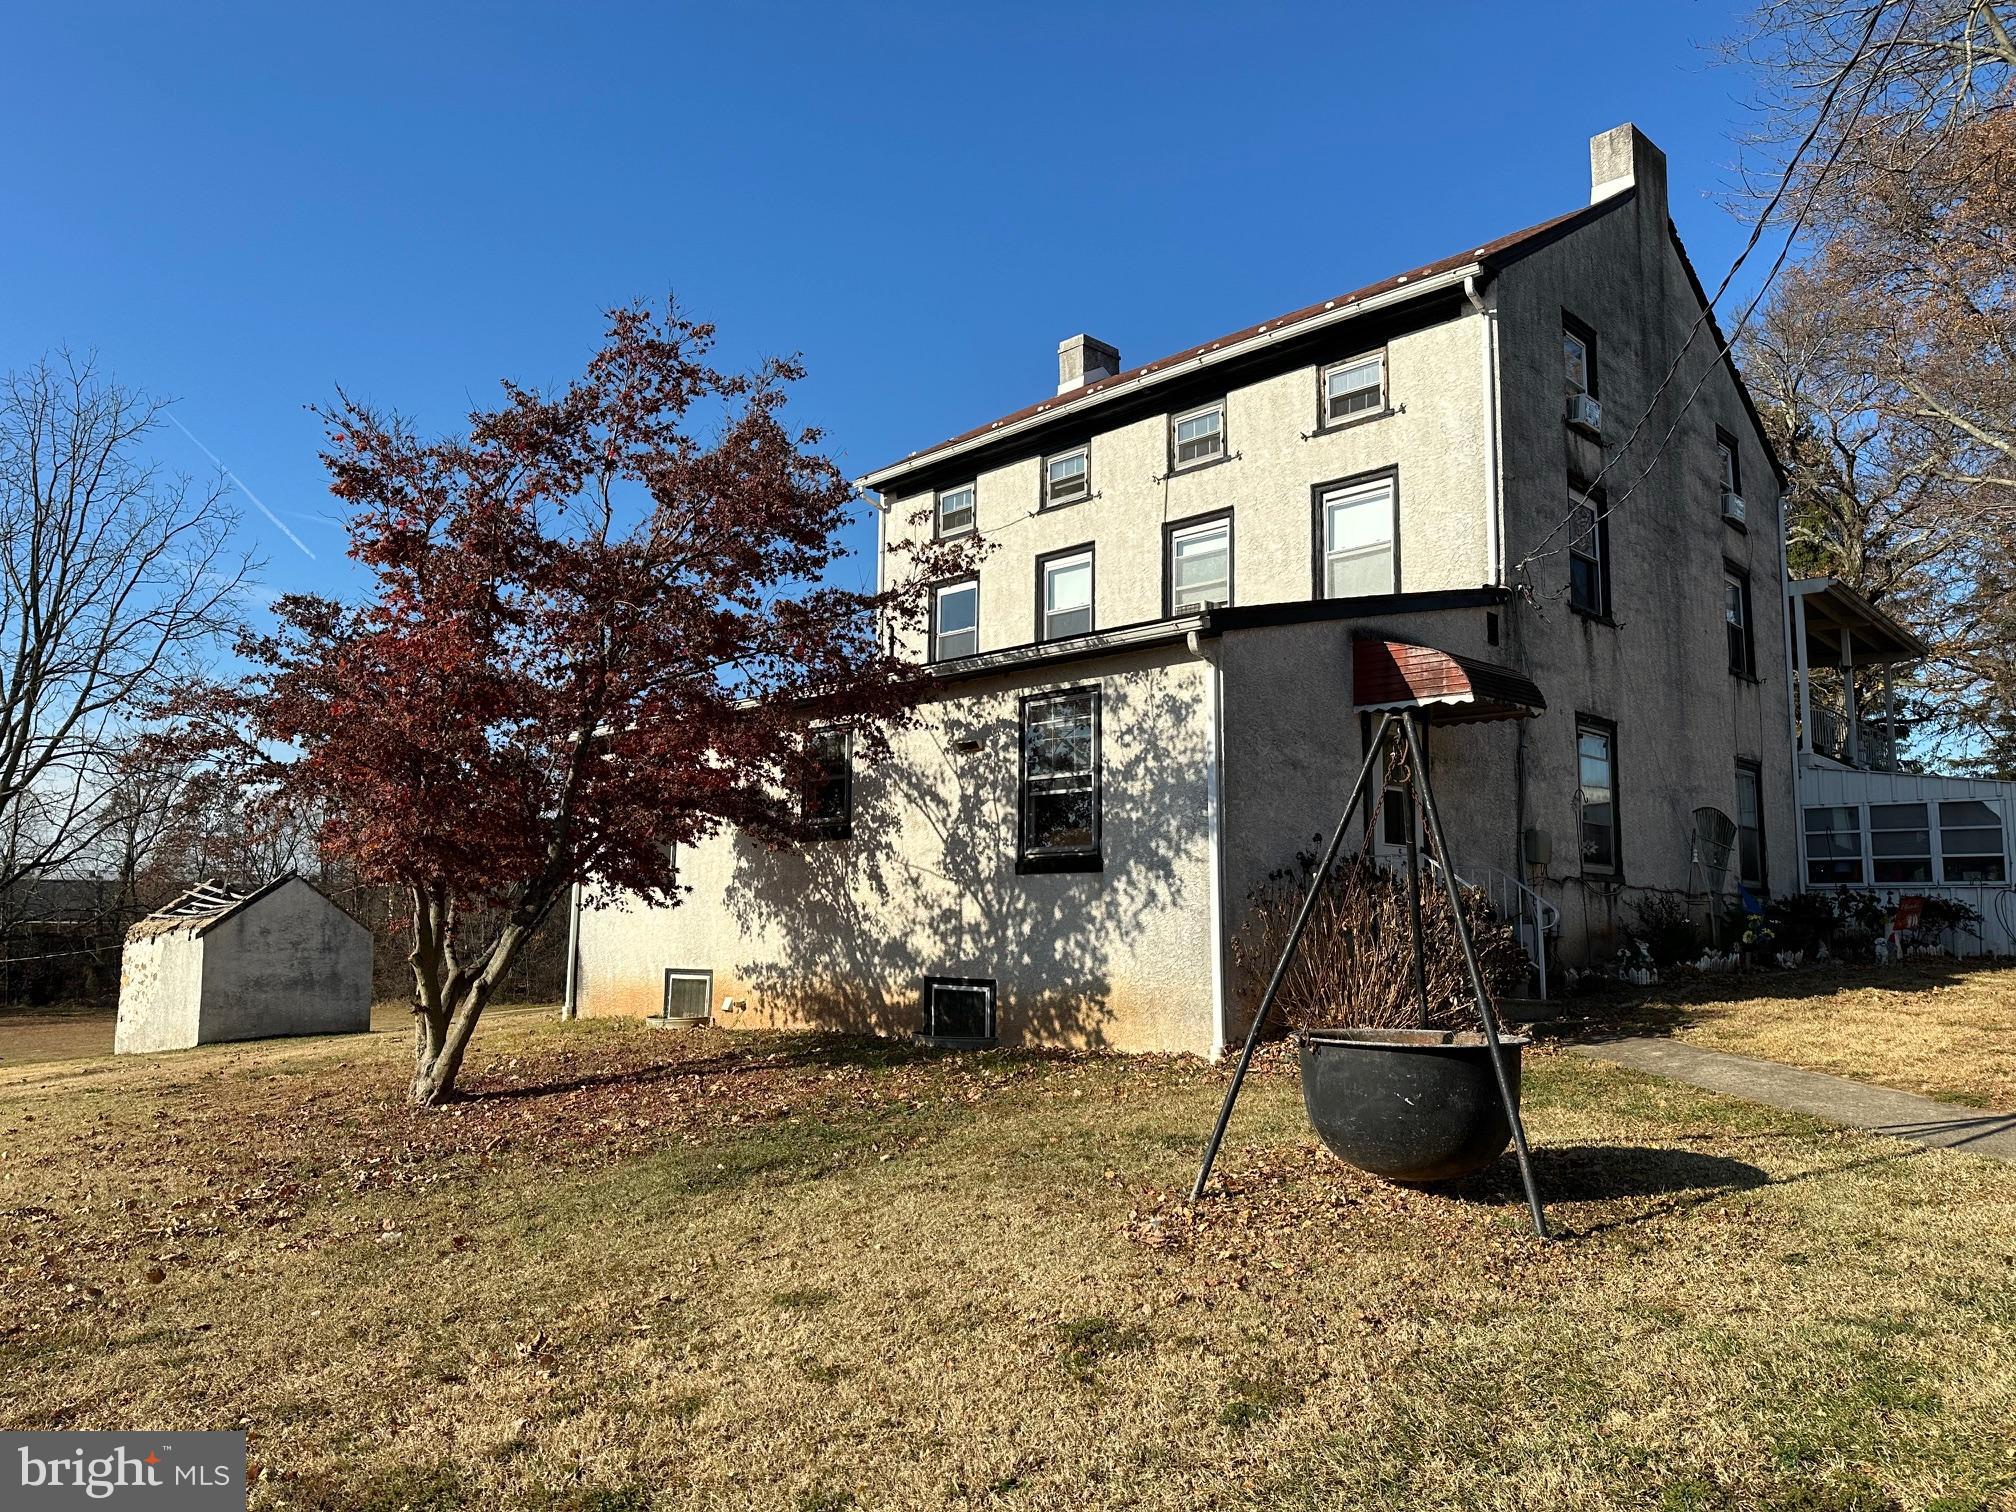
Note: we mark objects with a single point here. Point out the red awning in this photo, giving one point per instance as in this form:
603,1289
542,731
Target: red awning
1444,687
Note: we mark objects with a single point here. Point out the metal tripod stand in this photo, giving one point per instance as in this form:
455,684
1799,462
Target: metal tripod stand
1403,731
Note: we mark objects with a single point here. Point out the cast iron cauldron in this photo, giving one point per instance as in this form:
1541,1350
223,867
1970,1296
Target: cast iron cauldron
1412,1105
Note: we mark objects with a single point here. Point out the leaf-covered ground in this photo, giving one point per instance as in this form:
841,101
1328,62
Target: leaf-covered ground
648,1270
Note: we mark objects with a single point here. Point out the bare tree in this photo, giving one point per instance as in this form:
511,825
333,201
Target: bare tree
116,581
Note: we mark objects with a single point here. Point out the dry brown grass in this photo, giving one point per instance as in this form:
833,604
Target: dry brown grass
1944,1029
698,1270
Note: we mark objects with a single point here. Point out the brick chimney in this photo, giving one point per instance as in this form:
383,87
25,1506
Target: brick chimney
1623,158
1084,359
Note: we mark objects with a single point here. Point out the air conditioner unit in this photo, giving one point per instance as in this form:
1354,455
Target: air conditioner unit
1583,410
1732,507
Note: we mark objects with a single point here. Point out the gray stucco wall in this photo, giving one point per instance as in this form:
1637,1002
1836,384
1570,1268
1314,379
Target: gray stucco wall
290,963
1660,671
841,934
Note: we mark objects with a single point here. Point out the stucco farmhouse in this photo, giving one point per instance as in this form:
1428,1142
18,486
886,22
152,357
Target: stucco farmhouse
1532,457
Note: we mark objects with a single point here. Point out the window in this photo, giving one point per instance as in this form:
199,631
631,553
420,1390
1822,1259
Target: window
955,619
1900,842
1588,556
955,511
829,789
1199,557
1354,388
1596,752
1356,524
688,994
1060,782
1578,356
1834,846
1729,472
1970,842
959,1010
1750,825
1198,436
1736,620
1396,817
1064,588
1067,478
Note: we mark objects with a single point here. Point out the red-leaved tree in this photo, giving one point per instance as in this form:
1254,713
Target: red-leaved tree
593,633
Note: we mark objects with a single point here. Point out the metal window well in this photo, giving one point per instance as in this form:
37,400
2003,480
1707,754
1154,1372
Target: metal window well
1366,1091
221,963
689,999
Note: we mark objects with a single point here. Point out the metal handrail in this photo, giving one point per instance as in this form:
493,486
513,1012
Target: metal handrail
1513,899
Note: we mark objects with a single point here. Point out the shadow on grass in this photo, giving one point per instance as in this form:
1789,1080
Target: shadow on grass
798,1052
1677,1181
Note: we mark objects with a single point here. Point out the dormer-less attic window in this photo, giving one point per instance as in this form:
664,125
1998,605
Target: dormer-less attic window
1199,435
1067,477
1354,388
955,511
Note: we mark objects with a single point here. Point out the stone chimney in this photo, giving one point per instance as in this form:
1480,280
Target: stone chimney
1622,158
1084,359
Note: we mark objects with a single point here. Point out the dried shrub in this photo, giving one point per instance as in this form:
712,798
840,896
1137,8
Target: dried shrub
1355,966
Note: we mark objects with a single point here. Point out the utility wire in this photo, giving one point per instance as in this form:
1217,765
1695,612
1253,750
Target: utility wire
1749,246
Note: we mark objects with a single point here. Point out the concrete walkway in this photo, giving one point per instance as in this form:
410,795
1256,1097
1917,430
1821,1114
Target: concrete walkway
1881,1110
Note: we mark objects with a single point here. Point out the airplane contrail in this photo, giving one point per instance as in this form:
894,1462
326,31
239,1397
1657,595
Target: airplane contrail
239,483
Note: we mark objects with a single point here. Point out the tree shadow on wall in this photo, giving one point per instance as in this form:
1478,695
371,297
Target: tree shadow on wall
927,885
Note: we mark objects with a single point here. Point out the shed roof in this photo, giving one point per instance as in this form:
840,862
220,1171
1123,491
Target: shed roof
1444,687
202,908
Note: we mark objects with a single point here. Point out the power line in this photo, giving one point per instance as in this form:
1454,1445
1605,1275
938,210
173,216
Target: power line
1708,307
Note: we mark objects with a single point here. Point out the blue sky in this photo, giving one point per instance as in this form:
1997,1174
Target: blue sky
244,206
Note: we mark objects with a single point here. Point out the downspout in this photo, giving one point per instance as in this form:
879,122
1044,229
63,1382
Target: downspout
1214,826
570,1008
1494,504
881,532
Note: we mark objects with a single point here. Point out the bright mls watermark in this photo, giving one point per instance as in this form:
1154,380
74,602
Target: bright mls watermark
160,1472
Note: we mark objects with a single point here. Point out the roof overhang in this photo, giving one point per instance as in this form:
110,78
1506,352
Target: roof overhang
1441,686
1838,618
1157,373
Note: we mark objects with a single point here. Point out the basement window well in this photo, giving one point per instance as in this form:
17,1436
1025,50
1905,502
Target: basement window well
689,995
958,1011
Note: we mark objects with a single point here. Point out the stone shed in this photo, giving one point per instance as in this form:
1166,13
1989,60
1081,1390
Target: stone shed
223,964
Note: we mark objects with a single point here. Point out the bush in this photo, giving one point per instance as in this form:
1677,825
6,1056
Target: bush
1355,967
1668,931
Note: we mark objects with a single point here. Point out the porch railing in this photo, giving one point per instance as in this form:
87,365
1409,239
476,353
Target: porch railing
1532,917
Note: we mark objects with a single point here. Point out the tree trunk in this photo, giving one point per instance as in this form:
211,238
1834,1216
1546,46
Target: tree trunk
448,997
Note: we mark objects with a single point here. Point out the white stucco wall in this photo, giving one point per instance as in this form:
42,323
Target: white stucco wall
841,933
289,962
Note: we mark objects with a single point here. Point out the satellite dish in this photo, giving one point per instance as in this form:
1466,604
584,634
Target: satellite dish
1714,839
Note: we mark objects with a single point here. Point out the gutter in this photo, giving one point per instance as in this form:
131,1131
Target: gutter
1151,375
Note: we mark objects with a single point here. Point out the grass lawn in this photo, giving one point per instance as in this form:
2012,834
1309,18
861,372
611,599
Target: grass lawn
650,1270
1945,1029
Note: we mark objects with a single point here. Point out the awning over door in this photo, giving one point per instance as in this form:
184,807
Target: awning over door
1445,688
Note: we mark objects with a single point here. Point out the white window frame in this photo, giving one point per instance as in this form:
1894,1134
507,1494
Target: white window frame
972,493
1614,863
1736,598
1568,381
1357,495
1751,773
1808,834
1082,479
1884,819
1220,525
1378,390
687,974
2000,855
1047,568
1587,546
938,597
1177,462
933,985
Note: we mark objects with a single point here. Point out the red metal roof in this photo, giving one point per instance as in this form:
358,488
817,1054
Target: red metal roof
1502,250
1444,687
